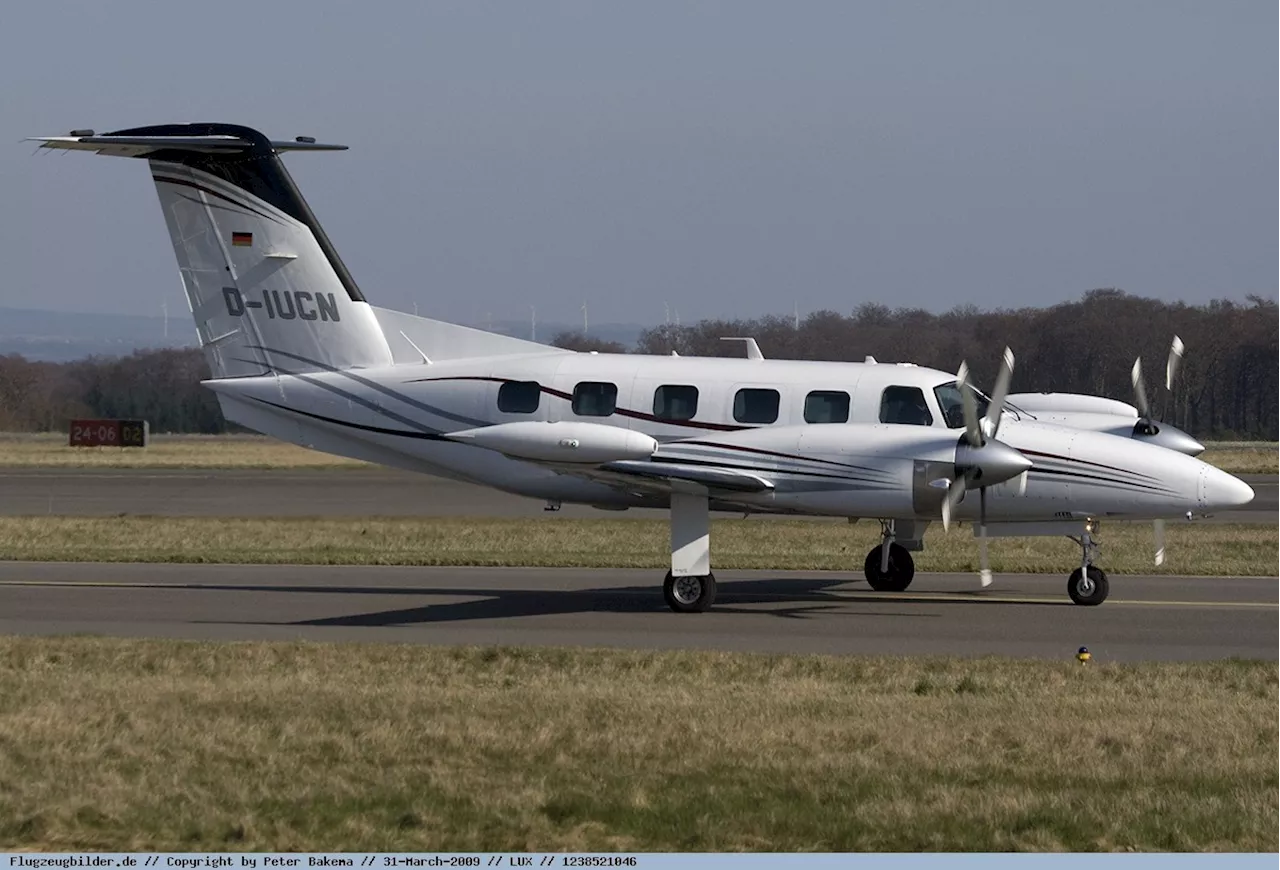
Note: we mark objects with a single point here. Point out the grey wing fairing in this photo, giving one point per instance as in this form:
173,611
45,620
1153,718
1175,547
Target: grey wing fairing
714,479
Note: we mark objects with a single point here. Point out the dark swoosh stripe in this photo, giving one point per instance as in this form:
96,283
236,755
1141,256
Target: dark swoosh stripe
235,211
352,397
1071,461
1105,480
421,436
1081,466
222,196
377,387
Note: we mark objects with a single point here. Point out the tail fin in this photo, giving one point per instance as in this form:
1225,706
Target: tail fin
267,290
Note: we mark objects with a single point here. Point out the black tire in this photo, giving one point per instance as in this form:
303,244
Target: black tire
1088,593
902,568
689,594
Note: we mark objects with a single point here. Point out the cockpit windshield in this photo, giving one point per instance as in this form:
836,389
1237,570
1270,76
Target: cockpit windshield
952,404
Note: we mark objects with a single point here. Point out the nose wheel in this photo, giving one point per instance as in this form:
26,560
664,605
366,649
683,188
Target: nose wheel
1088,584
1088,587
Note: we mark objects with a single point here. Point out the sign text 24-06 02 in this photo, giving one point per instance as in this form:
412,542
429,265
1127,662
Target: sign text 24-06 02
284,304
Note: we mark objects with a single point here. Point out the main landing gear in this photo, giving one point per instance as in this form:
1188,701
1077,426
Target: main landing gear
690,587
889,566
1088,584
689,593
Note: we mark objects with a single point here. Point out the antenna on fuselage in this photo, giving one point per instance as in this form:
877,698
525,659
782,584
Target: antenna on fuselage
753,349
426,361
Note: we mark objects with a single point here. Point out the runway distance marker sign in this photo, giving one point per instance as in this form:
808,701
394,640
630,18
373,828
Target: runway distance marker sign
108,433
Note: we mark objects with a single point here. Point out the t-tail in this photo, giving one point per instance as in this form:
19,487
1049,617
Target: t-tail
268,292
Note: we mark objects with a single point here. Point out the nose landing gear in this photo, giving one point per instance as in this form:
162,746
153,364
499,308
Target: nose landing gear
1088,584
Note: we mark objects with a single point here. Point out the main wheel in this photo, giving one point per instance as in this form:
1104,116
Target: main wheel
1088,588
689,594
901,569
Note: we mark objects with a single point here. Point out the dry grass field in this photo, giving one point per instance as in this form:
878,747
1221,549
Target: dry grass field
1216,549
183,746
166,451
257,451
1246,457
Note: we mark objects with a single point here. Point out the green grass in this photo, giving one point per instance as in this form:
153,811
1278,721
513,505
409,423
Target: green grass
1193,548
183,746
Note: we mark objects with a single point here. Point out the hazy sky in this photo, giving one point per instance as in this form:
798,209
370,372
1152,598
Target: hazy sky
730,158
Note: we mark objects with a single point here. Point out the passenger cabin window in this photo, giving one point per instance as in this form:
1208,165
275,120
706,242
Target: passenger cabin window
594,399
826,406
519,397
755,406
904,405
675,402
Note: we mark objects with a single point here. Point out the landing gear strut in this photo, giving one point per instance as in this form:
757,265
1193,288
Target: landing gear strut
690,587
889,567
1088,584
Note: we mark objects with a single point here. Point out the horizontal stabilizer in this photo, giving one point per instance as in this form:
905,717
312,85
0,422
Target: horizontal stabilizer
115,145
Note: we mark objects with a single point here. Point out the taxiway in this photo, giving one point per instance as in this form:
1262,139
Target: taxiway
1147,618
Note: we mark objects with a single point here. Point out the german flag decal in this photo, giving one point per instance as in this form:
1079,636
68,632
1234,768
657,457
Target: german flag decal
242,240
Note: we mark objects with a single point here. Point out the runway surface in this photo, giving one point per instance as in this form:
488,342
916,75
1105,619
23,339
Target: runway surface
1146,618
334,492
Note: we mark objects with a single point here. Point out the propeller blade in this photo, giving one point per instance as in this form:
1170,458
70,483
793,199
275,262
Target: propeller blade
1159,528
996,409
1175,359
1140,389
971,430
984,575
955,492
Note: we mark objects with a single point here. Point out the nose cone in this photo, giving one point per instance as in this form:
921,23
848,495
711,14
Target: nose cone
1221,490
992,463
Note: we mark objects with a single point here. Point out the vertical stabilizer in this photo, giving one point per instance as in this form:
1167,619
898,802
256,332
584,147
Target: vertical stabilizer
266,288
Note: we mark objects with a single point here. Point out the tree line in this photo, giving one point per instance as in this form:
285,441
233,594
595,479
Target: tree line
1227,386
162,386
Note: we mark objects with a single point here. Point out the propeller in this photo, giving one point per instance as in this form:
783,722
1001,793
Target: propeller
1176,350
981,460
1144,425
1175,360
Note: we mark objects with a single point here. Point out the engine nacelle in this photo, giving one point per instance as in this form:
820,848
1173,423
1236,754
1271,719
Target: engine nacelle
1071,403
579,443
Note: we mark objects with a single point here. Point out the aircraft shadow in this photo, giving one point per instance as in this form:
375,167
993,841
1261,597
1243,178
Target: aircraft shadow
800,598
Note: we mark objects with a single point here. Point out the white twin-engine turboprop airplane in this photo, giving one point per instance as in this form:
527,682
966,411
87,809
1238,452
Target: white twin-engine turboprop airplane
297,353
